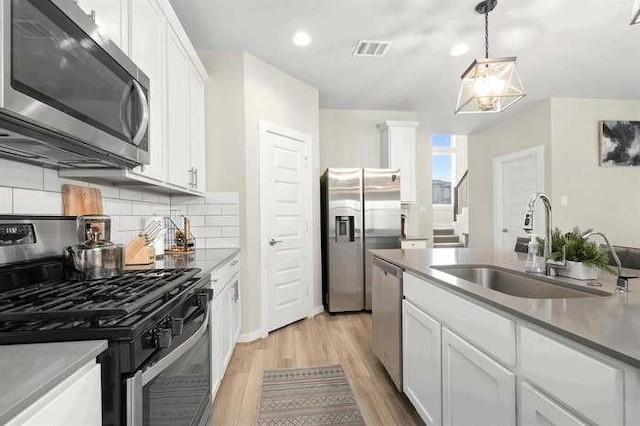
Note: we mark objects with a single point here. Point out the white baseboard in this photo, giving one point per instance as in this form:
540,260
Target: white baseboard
250,337
316,311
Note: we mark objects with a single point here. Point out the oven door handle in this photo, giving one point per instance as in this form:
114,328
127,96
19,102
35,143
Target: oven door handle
141,378
157,368
144,122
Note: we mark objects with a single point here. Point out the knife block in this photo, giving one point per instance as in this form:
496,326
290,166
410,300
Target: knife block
138,253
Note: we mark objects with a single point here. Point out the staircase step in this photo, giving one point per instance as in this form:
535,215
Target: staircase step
446,239
443,231
448,245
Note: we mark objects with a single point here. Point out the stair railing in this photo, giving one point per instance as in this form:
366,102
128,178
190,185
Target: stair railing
461,195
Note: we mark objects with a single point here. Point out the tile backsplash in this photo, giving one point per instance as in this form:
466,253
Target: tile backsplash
31,190
214,218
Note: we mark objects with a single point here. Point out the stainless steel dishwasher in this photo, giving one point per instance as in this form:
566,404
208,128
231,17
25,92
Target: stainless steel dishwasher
386,306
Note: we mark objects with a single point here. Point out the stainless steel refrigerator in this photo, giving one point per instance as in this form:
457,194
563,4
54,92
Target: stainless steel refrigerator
360,211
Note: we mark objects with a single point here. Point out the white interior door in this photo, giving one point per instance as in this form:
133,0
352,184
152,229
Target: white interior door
285,210
516,176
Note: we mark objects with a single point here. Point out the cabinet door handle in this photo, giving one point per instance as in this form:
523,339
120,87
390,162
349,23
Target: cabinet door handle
235,291
235,262
195,173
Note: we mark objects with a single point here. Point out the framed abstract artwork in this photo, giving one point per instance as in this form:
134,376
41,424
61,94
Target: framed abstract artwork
619,143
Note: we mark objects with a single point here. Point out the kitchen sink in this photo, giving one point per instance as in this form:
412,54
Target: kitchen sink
519,284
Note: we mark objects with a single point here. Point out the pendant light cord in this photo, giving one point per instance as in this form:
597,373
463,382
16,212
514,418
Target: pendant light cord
486,30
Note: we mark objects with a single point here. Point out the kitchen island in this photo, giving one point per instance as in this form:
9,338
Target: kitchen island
38,378
473,354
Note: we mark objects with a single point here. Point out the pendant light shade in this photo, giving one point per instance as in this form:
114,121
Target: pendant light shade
635,13
489,84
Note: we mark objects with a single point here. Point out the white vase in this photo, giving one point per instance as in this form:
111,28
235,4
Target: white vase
579,271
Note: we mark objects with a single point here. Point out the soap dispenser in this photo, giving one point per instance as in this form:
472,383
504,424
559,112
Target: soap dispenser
534,263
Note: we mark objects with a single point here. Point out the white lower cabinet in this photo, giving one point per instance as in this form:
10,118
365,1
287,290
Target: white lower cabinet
537,409
225,319
77,401
476,390
421,359
561,382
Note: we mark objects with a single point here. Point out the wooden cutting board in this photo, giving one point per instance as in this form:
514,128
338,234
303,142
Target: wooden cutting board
81,201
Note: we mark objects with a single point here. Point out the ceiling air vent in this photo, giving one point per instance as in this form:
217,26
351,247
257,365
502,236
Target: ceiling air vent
371,48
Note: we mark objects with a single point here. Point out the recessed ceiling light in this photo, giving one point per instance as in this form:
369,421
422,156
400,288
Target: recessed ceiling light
301,39
459,49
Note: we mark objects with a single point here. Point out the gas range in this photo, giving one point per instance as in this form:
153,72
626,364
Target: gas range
154,320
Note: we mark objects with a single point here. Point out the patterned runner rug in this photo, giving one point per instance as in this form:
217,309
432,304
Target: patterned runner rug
308,396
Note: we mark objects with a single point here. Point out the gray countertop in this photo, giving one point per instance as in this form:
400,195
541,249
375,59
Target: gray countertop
30,371
608,324
208,260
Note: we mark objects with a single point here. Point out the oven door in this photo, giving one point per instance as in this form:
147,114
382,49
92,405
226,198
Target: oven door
175,388
61,73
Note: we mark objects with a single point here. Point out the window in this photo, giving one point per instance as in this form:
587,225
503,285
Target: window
443,166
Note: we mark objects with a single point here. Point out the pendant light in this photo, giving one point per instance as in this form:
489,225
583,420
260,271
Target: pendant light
635,13
489,84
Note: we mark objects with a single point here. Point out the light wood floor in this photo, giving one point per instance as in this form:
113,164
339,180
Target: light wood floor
323,340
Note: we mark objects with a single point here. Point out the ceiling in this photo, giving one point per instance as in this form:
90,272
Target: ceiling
569,48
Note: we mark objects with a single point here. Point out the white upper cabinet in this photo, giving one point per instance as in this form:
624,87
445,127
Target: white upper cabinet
178,123
148,52
197,168
111,18
398,151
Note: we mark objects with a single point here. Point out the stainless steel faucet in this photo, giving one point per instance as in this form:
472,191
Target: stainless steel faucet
550,269
622,283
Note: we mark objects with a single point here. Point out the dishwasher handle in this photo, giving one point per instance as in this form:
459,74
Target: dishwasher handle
387,267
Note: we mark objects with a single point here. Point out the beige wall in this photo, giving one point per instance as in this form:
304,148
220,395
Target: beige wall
525,129
350,138
280,99
224,97
242,90
604,198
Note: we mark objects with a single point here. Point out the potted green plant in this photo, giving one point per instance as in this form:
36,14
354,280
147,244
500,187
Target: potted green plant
584,258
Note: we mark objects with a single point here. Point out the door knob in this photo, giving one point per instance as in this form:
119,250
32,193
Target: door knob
273,242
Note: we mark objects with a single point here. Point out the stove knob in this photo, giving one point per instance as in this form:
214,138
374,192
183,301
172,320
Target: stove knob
177,325
164,337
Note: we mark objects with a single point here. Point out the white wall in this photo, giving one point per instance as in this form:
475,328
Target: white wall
281,99
524,129
350,138
604,198
224,109
242,90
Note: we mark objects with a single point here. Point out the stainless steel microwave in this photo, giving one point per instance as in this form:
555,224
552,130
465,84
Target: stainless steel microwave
69,97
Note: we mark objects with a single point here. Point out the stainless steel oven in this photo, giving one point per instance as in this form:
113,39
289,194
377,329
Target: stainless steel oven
68,96
173,387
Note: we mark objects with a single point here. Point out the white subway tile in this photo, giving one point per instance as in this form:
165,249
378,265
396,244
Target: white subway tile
203,210
230,210
222,198
131,223
222,221
179,199
20,175
117,207
107,191
222,243
161,210
27,201
197,220
206,232
229,231
6,200
53,182
143,209
130,194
